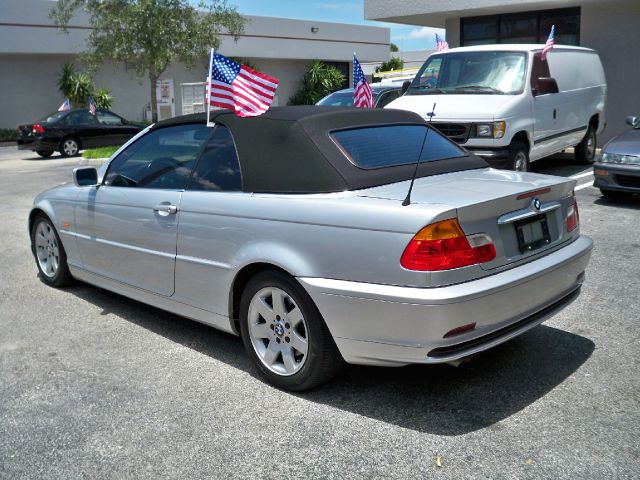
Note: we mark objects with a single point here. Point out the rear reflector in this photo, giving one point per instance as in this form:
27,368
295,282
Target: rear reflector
444,246
602,173
460,330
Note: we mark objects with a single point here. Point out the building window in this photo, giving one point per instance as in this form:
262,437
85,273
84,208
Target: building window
525,27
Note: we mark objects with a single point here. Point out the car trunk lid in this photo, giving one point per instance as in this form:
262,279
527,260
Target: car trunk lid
523,213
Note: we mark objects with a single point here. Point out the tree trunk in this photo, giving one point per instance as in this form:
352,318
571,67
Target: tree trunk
153,79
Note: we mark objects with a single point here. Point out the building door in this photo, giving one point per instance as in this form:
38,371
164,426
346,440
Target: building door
165,98
192,98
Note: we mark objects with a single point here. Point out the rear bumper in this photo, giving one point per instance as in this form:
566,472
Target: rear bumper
390,325
37,143
615,177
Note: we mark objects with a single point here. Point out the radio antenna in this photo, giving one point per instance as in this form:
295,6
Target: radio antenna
407,200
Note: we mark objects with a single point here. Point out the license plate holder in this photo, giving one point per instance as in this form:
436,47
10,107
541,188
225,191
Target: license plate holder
532,233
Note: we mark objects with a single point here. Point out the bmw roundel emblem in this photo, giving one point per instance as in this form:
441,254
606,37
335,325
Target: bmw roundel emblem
536,203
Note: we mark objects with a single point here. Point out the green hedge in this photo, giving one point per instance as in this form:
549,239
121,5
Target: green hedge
8,134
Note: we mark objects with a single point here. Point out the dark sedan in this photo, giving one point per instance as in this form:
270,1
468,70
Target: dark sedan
71,131
618,169
382,95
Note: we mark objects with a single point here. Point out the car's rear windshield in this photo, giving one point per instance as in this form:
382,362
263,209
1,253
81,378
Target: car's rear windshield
393,145
53,117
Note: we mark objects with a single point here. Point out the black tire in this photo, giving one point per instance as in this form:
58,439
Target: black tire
585,151
322,360
44,231
612,194
44,153
519,157
69,147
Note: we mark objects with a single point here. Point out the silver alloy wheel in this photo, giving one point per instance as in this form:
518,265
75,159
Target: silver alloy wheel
520,162
278,331
70,147
47,250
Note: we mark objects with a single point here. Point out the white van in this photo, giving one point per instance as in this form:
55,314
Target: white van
506,104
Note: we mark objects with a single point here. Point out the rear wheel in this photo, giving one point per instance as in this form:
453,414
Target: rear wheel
69,147
519,157
285,335
51,258
585,151
44,153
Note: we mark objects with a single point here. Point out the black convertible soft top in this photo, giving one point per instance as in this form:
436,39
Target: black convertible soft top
288,149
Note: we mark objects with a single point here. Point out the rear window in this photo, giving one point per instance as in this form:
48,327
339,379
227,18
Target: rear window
393,145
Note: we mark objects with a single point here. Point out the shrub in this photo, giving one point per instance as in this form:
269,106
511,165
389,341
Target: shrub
319,81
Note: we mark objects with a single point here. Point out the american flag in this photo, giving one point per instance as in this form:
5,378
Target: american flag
549,45
240,88
441,43
362,94
92,106
66,105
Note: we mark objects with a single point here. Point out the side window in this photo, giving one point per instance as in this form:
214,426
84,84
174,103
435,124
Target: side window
106,118
81,117
163,158
218,168
387,98
539,69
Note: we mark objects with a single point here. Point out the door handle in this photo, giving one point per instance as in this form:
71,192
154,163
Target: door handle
166,208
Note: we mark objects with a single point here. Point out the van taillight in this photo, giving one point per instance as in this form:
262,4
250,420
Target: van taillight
573,217
444,246
37,129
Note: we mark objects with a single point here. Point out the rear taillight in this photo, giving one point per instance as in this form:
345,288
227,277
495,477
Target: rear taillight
37,129
573,217
443,246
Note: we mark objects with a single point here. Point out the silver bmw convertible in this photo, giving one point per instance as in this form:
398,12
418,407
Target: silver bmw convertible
319,235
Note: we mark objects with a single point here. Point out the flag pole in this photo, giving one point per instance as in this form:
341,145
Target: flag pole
208,90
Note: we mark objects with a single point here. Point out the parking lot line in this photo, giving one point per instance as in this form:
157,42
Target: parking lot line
582,174
584,185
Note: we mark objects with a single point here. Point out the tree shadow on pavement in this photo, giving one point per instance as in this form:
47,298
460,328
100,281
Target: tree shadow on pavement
437,399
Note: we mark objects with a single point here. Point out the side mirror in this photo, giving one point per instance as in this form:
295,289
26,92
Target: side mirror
633,121
405,86
85,176
546,85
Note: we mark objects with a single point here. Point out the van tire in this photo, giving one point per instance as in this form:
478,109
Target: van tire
585,151
519,157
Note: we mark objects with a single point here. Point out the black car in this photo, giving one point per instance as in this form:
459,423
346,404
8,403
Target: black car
382,95
73,130
618,169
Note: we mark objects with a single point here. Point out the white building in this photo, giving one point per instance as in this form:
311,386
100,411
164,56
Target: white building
609,26
32,52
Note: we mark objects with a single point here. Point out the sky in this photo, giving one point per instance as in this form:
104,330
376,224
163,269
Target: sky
406,37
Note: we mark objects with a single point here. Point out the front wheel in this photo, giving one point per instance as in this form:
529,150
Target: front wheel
69,147
285,335
51,258
585,151
519,157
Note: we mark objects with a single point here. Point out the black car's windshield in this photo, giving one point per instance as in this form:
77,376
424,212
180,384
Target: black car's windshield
487,72
342,99
53,117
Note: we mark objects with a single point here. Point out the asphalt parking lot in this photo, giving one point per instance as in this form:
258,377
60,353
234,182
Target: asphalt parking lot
93,385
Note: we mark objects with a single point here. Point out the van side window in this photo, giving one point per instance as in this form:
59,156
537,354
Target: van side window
539,69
